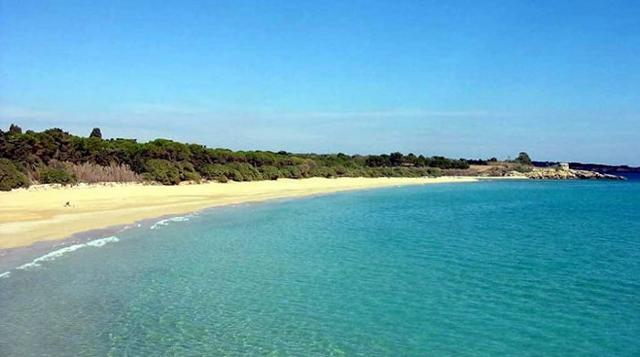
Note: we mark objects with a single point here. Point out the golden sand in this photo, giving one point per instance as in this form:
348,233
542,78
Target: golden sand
28,216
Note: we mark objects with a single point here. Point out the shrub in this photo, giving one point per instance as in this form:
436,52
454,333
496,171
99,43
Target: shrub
292,172
340,170
434,172
56,174
233,174
11,177
323,172
215,171
247,171
190,176
269,172
188,172
162,171
523,168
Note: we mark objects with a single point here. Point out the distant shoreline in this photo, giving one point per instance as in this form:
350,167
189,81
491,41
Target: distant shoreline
32,216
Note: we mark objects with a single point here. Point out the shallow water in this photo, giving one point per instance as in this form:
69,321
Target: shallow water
490,268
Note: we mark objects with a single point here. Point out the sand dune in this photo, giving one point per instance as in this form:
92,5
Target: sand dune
28,216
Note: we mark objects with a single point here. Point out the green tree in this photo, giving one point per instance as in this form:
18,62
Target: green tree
377,161
396,159
96,133
523,158
14,129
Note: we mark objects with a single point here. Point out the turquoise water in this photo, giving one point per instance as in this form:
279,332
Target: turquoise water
492,268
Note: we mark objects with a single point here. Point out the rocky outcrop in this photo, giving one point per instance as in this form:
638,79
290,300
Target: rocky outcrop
515,174
569,174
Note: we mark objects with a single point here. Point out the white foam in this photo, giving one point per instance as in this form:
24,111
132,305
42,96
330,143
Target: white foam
100,242
5,275
62,251
129,226
164,222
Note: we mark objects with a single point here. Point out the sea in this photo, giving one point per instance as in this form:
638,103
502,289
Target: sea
494,268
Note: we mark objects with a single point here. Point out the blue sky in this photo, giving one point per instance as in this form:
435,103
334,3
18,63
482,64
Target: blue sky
559,79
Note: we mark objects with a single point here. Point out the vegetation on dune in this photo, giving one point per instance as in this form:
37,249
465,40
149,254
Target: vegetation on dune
56,175
10,176
522,168
163,171
55,156
93,173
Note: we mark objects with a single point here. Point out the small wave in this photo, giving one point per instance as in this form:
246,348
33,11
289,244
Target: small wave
62,251
165,222
5,275
100,242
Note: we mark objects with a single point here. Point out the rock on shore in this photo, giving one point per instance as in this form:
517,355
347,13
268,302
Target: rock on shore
569,174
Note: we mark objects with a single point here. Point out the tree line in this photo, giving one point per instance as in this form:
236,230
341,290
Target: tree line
50,156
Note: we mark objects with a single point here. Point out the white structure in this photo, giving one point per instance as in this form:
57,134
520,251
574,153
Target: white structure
564,165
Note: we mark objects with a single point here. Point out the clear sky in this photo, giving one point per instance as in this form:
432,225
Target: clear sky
559,79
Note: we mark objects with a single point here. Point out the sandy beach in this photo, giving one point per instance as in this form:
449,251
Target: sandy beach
29,216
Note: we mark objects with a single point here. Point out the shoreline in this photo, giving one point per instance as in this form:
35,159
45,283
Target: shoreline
30,218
